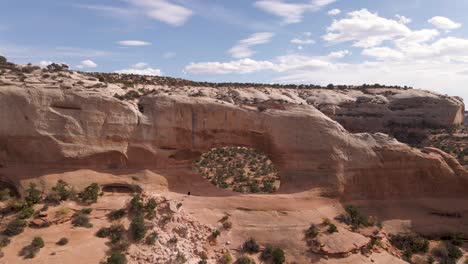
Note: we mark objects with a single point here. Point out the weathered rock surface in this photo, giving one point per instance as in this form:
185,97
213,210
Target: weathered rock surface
78,127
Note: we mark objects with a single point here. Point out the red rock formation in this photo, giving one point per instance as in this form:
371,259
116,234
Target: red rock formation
58,128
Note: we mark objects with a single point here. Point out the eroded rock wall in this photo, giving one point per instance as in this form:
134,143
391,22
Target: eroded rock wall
66,128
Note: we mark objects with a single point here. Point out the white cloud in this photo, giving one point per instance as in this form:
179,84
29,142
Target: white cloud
146,71
383,53
164,11
44,63
444,23
302,41
140,65
365,29
334,12
134,43
243,48
161,10
87,64
339,54
403,20
291,12
238,66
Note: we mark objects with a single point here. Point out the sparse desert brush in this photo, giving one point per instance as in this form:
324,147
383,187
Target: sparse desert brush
244,260
90,194
312,231
239,169
116,214
116,258
62,242
81,219
332,228
250,246
15,227
33,195
62,211
138,228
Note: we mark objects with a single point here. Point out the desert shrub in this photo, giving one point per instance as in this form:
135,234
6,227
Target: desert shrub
15,227
226,258
90,194
151,238
251,246
136,205
62,242
26,212
410,244
33,195
138,228
245,260
80,219
5,194
116,214
312,231
278,256
116,258
3,60
86,211
332,228
61,192
267,253
102,232
447,253
4,241
62,211
37,242
31,250
355,218
215,234
151,205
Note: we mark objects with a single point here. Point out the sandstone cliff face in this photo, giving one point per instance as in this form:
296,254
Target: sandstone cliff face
88,128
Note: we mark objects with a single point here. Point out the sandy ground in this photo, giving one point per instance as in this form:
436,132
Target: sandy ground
277,219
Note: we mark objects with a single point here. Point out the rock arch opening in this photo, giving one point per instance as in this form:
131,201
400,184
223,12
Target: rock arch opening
239,169
8,190
121,188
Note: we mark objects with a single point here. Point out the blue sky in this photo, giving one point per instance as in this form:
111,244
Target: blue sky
405,42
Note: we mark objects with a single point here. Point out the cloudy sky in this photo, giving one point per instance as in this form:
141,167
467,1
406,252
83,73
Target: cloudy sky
420,43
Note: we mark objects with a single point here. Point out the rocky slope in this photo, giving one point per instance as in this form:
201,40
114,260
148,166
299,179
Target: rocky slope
63,119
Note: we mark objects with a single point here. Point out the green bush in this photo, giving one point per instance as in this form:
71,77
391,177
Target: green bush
4,241
3,60
31,250
410,244
355,218
26,213
312,232
251,246
61,192
33,195
116,214
15,227
81,220
90,193
245,260
37,242
86,211
102,232
278,256
332,228
62,242
5,194
136,205
116,258
138,228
